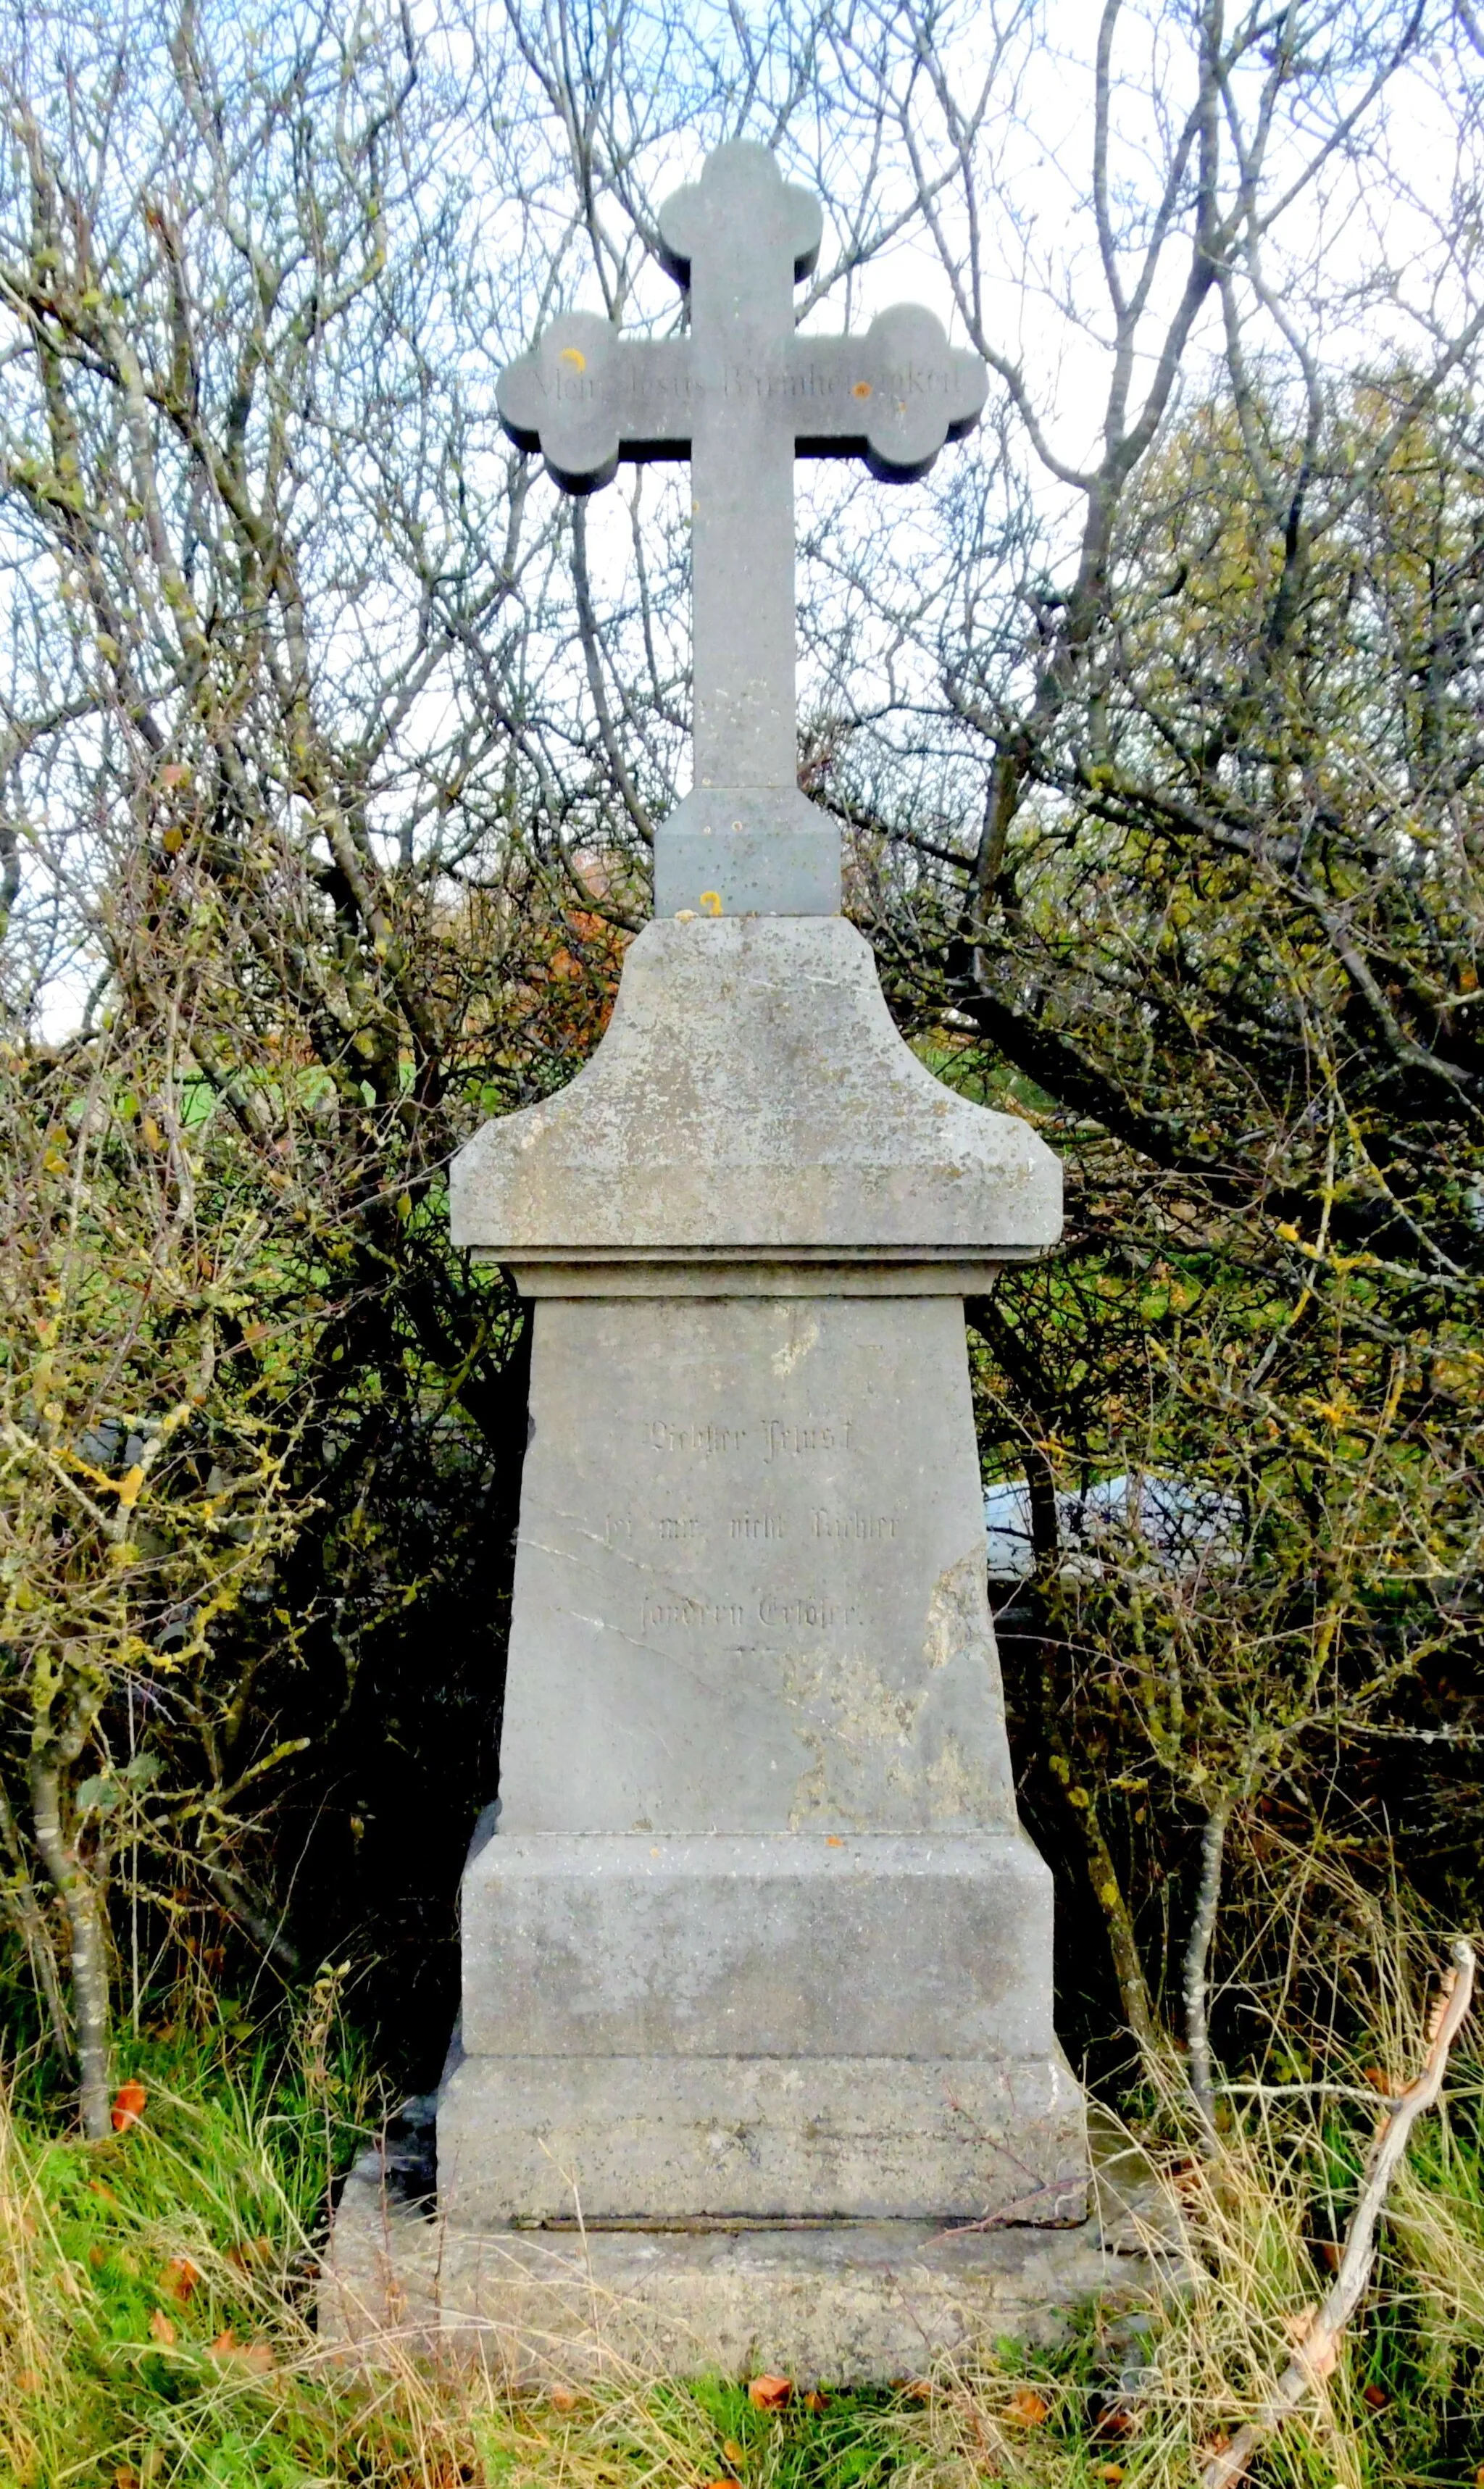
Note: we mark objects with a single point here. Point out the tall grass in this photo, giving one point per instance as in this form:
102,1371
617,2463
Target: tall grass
156,2303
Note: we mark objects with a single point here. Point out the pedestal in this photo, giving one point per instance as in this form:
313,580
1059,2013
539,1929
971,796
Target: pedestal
758,1938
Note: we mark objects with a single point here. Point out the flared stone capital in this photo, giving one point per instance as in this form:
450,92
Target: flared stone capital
754,1102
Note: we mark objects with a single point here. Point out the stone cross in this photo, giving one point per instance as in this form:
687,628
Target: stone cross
741,396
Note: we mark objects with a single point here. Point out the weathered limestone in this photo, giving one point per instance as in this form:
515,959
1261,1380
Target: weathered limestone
757,1947
741,396
750,1118
841,2302
758,1936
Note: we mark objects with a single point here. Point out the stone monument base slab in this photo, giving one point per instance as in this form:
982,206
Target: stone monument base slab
835,2302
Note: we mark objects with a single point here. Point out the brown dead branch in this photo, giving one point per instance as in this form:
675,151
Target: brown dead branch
1318,2351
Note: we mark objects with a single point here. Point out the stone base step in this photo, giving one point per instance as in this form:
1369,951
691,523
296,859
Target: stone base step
838,2302
609,2138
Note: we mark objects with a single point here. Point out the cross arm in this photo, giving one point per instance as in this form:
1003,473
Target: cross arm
586,397
892,395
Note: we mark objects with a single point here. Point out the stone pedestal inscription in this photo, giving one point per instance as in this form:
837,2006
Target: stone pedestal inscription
750,1588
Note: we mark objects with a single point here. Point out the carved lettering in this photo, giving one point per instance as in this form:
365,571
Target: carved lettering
756,1525
783,1439
705,1441
691,1615
819,1615
681,1526
854,1524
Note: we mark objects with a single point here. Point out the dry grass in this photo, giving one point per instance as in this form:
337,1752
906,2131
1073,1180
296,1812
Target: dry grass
156,2304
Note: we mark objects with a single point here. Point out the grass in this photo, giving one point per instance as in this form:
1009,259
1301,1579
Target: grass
156,2314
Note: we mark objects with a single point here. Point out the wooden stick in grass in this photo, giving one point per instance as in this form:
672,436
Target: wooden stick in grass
1315,2355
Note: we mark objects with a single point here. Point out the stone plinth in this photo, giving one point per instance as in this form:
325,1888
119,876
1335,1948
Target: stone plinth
758,1937
838,2302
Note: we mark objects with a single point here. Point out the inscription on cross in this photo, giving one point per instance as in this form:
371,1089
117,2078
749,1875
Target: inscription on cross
741,397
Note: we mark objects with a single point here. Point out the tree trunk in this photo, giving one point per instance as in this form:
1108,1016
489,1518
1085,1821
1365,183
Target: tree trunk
78,1893
36,1936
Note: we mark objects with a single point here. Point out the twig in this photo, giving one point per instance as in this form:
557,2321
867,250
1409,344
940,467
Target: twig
1007,2214
1316,2355
1197,1966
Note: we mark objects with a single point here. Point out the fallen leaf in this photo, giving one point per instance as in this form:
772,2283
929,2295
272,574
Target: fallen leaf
129,2105
29,2381
1027,2407
1321,2358
1115,2420
96,2186
247,2252
252,2355
180,2279
1380,2081
562,2398
732,2451
1376,2396
815,2401
1110,2471
161,2328
919,2389
769,2393
126,2477
1220,2444
722,2483
97,2257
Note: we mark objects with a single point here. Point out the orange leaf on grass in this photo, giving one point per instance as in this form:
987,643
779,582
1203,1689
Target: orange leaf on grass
129,2105
732,2451
1027,2407
180,2277
562,2398
252,2355
161,2328
769,2393
247,2252
1376,2396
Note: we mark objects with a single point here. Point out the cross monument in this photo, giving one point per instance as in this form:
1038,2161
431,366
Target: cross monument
757,1959
741,397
